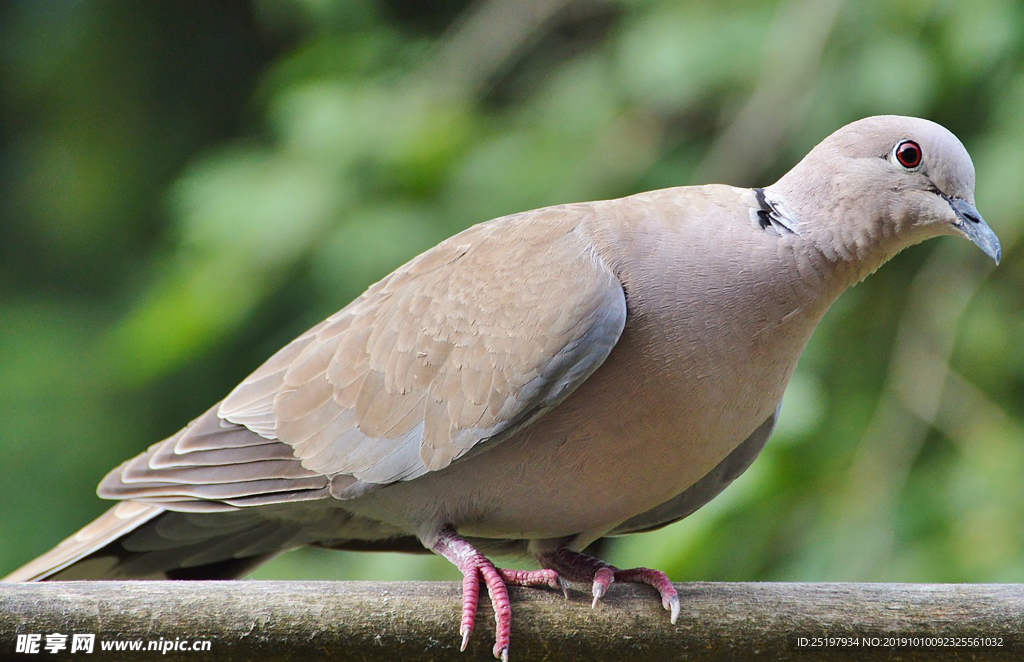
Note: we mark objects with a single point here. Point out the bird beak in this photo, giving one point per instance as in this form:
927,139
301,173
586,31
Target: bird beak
974,227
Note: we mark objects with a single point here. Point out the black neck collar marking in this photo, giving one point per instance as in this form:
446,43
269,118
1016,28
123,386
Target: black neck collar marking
769,218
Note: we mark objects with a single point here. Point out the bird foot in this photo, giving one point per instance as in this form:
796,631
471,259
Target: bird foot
577,567
477,568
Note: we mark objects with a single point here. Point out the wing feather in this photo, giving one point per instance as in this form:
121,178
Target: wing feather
452,352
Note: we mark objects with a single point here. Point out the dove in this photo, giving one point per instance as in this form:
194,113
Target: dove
536,382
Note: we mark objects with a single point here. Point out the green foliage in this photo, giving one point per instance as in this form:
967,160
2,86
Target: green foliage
187,186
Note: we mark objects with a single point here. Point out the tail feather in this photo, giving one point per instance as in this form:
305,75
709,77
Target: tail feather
120,520
139,541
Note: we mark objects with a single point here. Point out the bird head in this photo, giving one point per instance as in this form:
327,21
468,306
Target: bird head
888,182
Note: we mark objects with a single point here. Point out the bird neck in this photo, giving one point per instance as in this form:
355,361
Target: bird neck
674,246
846,241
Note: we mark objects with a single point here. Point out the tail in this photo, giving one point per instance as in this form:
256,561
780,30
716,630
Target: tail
140,541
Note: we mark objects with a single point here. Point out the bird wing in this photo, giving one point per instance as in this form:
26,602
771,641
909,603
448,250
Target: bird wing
463,345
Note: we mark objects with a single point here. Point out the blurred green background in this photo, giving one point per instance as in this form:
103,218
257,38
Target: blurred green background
187,185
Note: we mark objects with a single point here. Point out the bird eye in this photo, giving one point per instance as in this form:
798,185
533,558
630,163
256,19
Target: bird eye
908,154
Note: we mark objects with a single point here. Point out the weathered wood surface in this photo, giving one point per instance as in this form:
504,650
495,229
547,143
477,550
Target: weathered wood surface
352,621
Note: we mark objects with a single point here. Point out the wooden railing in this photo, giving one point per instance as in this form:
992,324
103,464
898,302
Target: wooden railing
352,621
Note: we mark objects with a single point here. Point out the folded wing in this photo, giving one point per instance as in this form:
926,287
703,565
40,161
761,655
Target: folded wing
450,353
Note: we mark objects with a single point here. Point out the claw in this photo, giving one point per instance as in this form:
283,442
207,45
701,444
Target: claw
558,567
576,566
672,604
477,570
603,578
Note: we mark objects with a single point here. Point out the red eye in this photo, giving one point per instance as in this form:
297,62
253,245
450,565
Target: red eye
908,153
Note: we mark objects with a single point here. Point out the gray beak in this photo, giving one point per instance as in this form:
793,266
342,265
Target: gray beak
974,227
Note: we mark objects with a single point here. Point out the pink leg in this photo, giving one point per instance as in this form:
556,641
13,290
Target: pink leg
475,567
576,567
